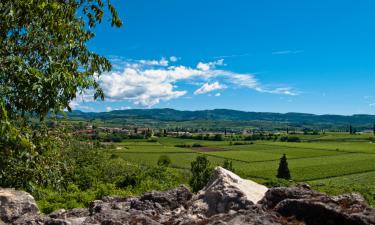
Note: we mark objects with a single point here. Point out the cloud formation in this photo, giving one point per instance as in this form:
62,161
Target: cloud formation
287,52
148,82
208,88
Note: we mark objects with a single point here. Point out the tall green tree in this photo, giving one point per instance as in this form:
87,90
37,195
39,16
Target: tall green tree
44,63
283,170
201,170
228,165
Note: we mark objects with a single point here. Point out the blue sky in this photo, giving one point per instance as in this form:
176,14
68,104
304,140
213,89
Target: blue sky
274,56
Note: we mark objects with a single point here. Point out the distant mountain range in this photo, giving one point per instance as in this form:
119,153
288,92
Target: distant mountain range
226,115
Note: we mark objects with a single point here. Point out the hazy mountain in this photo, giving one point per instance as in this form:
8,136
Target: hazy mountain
225,115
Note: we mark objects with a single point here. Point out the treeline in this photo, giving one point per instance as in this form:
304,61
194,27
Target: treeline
253,137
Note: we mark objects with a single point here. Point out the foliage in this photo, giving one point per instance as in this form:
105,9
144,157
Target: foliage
290,139
201,170
95,173
228,165
283,171
44,64
164,160
31,156
44,58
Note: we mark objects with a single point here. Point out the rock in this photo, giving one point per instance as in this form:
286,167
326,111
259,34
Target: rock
16,204
227,191
316,208
275,195
226,200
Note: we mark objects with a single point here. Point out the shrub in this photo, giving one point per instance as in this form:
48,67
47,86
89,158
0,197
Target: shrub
290,139
183,146
201,171
128,180
196,145
152,139
228,165
164,160
238,143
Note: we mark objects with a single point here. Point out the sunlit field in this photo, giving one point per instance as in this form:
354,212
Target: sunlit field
328,164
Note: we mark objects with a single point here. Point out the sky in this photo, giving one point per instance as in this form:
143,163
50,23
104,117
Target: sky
265,56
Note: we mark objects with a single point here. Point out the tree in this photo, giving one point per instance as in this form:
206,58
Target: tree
351,129
44,64
228,165
374,129
201,172
164,160
283,171
44,58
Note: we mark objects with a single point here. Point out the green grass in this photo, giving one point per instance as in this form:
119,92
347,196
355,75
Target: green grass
259,152
311,168
352,147
180,160
148,149
329,165
169,141
363,183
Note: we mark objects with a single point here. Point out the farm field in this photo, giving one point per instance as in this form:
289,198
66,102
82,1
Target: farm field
332,166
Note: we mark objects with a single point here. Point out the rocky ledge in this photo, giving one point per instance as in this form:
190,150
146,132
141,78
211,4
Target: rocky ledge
227,199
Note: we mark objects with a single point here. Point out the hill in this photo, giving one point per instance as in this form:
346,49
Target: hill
226,118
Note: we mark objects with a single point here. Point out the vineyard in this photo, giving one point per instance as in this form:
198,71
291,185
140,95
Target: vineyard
328,164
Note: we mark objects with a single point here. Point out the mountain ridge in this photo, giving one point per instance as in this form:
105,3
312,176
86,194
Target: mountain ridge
168,114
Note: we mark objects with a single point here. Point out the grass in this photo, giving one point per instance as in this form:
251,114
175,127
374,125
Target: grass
311,168
332,165
349,147
363,183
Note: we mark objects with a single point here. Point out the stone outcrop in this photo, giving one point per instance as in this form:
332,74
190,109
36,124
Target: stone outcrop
226,200
226,191
15,204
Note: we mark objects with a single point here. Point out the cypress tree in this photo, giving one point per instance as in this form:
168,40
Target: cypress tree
283,171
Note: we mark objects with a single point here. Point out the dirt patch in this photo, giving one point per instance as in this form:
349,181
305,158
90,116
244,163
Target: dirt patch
208,149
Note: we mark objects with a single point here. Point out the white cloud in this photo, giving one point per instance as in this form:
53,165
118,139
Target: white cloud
372,104
162,62
148,82
125,107
208,88
203,66
173,59
217,94
145,87
284,91
108,109
210,65
287,52
231,56
76,105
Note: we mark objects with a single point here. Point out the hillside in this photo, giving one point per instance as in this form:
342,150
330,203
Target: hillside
221,117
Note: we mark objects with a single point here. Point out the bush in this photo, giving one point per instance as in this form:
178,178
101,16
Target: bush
238,143
128,180
164,160
152,139
228,165
183,146
201,170
196,145
290,139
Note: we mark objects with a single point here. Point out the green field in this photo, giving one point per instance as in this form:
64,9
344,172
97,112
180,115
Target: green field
333,165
